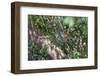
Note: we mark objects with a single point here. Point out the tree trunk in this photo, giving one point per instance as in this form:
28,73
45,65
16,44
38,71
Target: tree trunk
42,41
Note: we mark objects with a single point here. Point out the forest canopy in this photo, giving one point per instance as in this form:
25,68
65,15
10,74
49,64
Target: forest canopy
57,37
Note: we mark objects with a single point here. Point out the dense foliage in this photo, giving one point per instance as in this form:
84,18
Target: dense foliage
66,32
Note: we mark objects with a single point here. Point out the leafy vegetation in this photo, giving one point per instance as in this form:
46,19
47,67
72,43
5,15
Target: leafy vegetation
70,34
